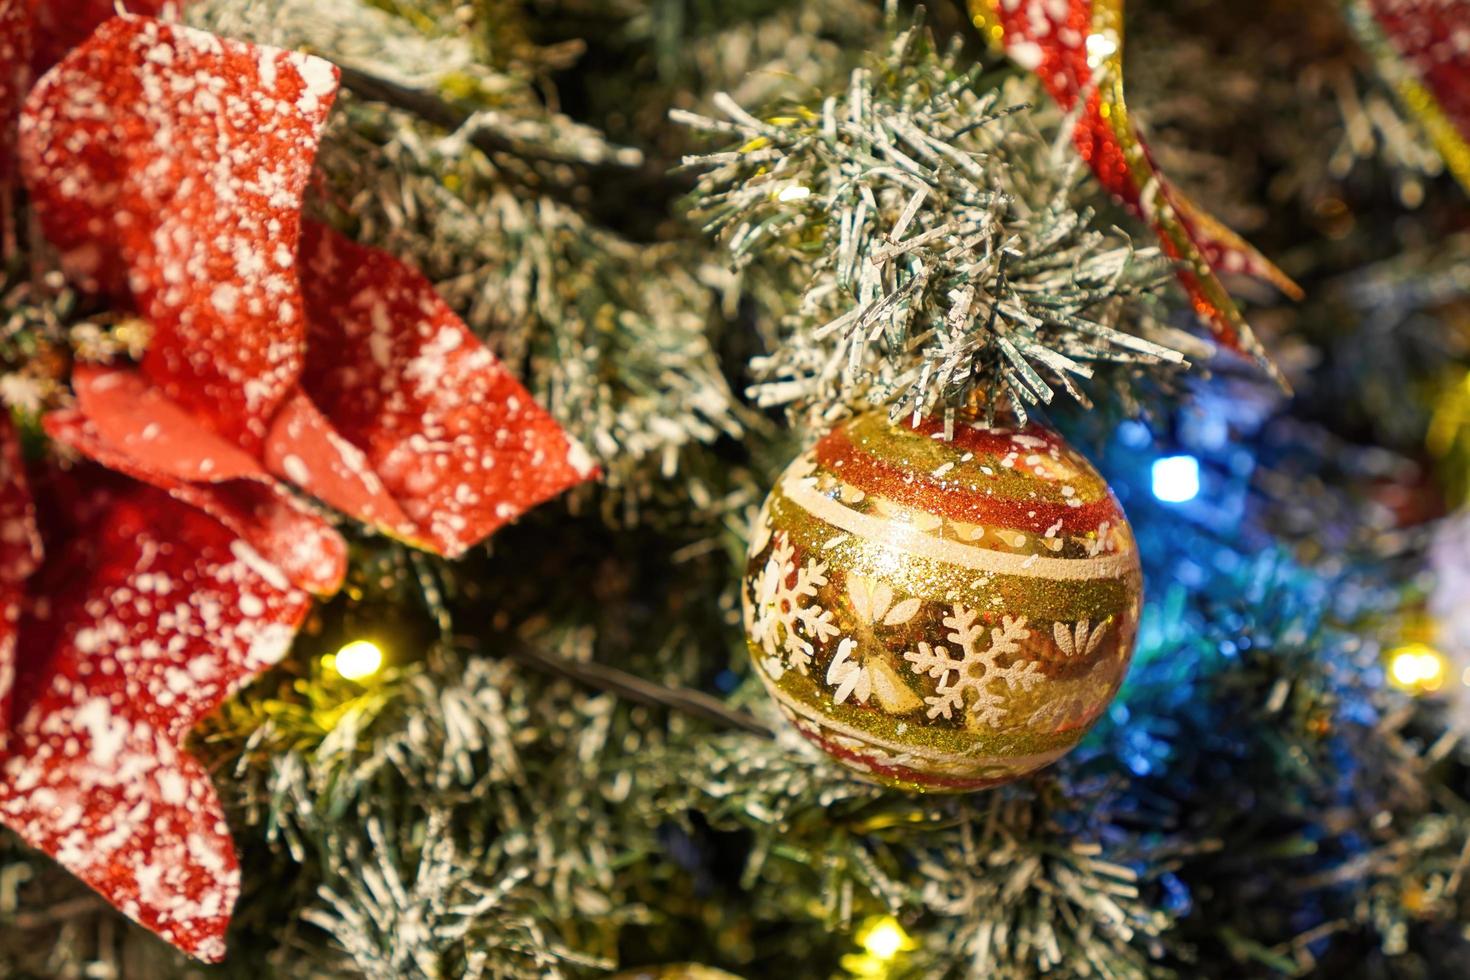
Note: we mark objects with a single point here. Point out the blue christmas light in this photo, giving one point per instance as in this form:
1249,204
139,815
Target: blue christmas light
1134,434
1176,479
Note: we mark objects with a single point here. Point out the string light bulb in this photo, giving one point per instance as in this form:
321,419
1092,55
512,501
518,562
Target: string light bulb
881,939
358,660
1176,479
1417,668
884,938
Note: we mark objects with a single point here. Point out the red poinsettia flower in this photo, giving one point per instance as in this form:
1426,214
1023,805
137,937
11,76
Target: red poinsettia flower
167,167
383,405
144,615
34,34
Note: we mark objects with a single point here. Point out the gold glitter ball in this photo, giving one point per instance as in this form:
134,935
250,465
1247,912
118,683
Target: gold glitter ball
941,615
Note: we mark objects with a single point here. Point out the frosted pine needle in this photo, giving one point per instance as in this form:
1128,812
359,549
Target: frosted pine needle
932,266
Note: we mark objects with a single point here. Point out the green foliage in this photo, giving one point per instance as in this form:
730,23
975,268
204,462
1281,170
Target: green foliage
932,239
903,227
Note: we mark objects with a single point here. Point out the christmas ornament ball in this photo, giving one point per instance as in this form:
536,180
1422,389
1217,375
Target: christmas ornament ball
941,614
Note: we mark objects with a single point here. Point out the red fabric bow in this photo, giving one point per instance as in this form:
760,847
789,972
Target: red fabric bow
1423,49
34,34
167,166
1075,47
145,614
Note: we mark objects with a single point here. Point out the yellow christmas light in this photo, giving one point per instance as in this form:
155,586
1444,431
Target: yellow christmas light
357,660
884,938
1417,668
881,939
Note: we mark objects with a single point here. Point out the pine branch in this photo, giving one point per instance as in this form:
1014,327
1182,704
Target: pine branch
932,237
695,704
491,133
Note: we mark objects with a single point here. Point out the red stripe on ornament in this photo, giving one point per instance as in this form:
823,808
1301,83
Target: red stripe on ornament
993,442
952,783
871,475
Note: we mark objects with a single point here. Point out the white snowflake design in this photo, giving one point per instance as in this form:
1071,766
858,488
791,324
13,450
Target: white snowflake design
873,604
1083,700
975,672
777,611
1080,639
849,676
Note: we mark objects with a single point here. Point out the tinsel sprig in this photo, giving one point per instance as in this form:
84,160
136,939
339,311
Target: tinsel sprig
935,240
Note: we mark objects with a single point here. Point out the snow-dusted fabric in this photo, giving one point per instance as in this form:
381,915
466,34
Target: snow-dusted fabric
168,165
34,35
61,25
189,206
145,615
455,439
200,469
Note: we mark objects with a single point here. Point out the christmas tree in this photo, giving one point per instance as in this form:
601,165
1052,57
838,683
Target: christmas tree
574,488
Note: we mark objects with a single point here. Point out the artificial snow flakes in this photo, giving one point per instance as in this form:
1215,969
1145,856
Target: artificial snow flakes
168,165
34,35
457,442
61,25
187,199
145,614
166,169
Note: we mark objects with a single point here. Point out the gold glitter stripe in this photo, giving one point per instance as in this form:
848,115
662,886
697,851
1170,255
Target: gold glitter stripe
1034,538
1039,600
812,714
915,542
1445,135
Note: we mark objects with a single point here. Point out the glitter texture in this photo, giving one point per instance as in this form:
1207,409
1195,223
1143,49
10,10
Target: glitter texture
144,615
941,615
167,165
